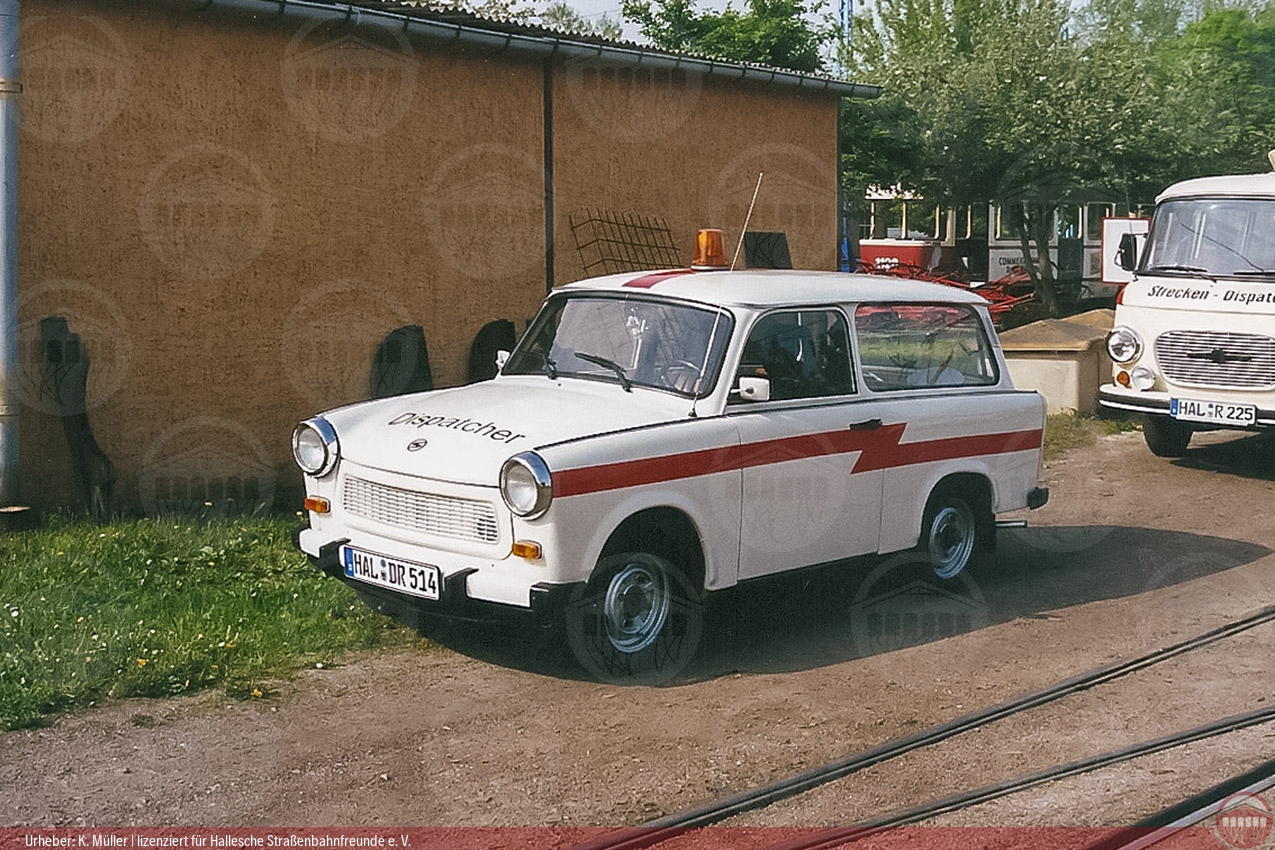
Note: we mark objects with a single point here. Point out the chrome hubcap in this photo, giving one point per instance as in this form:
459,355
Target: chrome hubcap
951,540
636,607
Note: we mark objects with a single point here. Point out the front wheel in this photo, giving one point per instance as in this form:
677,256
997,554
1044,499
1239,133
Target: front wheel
1165,436
949,533
637,620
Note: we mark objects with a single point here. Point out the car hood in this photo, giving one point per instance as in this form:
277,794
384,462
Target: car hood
465,434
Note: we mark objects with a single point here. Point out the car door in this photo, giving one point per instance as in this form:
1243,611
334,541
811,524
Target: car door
803,502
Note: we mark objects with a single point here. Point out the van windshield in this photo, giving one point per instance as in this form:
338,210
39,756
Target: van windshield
626,340
1212,236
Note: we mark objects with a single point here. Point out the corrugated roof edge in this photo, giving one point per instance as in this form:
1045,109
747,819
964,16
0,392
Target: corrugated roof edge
512,37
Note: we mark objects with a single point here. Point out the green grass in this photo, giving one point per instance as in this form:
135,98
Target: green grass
1067,431
154,608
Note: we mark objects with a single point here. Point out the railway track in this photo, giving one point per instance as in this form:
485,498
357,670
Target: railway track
1194,811
668,827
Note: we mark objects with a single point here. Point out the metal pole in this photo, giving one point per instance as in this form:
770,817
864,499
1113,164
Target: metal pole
10,87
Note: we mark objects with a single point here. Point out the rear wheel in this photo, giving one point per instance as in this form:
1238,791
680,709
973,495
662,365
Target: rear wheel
951,533
1165,436
638,619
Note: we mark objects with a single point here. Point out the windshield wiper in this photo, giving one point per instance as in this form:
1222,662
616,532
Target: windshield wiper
1254,272
608,364
1179,268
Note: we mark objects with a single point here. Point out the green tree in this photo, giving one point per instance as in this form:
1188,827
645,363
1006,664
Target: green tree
771,32
1010,101
560,15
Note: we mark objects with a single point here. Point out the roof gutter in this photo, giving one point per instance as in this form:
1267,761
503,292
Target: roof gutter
525,44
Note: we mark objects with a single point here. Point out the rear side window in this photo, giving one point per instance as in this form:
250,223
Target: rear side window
914,346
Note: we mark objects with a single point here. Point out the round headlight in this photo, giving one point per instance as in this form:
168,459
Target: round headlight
315,447
1142,378
525,485
1123,344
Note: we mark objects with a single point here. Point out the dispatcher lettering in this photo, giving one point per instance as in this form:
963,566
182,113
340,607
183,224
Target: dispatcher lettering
469,426
1166,292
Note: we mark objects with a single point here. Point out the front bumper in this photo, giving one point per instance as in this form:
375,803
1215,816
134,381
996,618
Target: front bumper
454,601
1115,397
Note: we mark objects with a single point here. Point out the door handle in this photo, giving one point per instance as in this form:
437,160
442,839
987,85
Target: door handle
865,425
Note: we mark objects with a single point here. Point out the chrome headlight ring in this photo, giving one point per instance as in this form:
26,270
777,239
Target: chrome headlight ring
526,485
315,447
1124,345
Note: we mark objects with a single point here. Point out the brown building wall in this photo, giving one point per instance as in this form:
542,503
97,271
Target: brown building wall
232,213
688,149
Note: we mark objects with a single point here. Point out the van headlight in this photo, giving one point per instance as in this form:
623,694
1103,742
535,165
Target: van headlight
315,447
1123,344
525,485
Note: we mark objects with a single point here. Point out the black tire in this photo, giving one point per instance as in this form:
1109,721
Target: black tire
638,620
1166,437
952,532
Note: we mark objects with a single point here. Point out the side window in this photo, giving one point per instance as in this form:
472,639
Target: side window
911,346
803,353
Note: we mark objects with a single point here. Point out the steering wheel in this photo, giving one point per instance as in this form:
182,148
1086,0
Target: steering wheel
678,374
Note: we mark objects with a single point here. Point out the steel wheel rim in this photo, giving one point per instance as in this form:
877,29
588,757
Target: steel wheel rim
636,607
951,540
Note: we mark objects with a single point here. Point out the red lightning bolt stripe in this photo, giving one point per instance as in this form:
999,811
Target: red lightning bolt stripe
879,449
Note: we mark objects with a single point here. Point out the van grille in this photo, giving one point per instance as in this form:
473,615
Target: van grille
446,516
1217,359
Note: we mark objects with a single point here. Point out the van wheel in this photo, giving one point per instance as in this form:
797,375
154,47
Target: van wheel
637,620
1165,436
949,533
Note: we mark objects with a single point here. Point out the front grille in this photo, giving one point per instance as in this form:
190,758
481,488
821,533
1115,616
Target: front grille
446,516
1217,359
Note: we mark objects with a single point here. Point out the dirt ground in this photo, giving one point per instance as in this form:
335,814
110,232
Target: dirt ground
1132,553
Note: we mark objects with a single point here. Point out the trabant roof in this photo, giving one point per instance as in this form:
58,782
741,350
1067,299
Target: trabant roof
774,288
1252,185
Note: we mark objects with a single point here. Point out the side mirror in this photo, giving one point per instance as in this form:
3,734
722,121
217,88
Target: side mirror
754,389
1127,254
502,357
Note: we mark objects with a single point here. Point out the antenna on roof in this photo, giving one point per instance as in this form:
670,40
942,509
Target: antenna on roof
747,218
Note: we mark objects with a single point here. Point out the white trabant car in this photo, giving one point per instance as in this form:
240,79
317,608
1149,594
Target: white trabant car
1194,337
656,437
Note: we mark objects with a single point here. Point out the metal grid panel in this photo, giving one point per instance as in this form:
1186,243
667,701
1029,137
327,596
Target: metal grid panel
445,516
1217,359
611,242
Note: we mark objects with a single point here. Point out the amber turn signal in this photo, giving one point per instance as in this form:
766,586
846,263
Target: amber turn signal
317,504
528,549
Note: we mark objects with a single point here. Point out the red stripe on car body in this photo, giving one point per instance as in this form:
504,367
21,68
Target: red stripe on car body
646,281
879,449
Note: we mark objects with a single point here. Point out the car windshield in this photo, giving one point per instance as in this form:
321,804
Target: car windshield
1214,237
626,340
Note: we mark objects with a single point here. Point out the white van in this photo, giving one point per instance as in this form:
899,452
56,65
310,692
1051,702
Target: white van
1194,336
